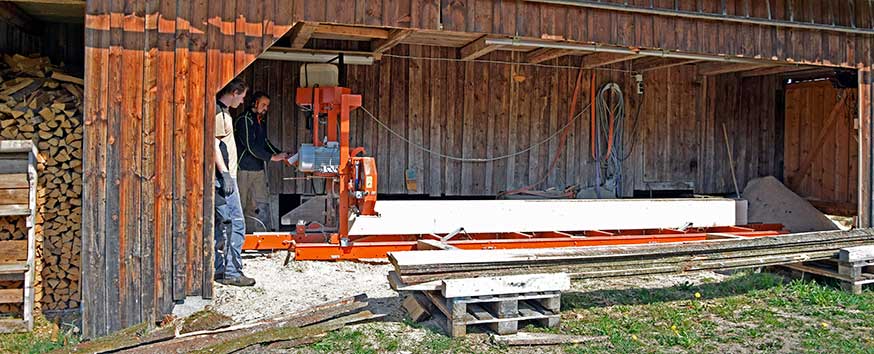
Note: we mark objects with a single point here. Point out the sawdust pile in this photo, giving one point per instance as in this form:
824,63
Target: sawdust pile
286,289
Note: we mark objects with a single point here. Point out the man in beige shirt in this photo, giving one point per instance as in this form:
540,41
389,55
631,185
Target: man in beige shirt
229,245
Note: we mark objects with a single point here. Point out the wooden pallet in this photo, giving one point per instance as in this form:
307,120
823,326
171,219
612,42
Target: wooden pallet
853,267
503,314
18,198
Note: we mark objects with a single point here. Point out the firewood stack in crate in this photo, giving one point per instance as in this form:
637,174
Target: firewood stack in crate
40,103
17,240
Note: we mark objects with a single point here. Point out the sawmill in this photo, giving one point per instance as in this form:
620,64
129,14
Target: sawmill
487,154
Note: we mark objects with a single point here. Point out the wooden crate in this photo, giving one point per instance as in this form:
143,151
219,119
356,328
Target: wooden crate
503,314
18,198
853,267
503,303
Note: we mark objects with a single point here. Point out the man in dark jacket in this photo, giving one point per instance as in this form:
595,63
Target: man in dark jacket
255,151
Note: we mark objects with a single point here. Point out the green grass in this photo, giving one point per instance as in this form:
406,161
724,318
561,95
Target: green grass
45,337
748,312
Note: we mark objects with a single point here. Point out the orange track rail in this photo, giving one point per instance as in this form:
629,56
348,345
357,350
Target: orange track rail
317,246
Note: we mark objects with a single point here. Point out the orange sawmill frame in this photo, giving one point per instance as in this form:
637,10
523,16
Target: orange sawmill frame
315,245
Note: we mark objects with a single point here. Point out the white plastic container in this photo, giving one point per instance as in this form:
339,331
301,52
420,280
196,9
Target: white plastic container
323,75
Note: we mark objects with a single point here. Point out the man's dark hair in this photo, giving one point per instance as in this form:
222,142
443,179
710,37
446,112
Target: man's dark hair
257,96
236,85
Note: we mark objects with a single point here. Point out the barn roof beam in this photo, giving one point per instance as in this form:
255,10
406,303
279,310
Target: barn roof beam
543,54
710,16
478,48
717,68
301,33
379,46
654,63
603,59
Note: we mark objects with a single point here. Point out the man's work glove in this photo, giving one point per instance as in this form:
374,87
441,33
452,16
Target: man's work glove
227,187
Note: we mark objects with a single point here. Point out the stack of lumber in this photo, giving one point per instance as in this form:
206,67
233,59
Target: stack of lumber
40,103
419,267
12,228
273,334
17,249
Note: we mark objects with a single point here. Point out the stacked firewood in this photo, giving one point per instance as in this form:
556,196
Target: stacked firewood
40,103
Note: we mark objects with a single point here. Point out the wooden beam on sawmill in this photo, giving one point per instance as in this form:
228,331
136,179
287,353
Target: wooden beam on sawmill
379,46
656,63
12,14
718,68
301,33
477,49
605,58
543,54
342,32
776,70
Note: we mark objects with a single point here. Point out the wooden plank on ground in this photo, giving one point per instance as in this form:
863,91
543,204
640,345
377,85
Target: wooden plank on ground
538,339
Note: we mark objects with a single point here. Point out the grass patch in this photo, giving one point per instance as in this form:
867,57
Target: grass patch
45,337
749,311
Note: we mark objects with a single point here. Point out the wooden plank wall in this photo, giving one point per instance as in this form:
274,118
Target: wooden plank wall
152,71
61,42
152,68
821,143
480,110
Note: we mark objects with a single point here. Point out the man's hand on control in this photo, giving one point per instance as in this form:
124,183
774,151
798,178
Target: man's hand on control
279,157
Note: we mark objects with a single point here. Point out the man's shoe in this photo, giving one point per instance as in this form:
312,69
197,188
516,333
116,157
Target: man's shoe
237,281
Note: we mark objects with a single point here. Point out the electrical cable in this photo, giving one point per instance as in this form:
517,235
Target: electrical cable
469,159
610,110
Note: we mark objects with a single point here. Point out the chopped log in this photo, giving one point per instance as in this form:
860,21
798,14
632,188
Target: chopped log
38,102
67,78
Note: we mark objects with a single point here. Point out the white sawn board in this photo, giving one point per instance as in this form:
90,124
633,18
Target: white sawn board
443,217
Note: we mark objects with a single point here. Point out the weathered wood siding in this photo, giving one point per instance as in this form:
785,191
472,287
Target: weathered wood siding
153,67
152,71
478,110
821,144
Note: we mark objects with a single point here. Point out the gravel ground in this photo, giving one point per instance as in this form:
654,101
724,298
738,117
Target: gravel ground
286,289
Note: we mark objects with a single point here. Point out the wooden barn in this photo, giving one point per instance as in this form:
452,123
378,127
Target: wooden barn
715,93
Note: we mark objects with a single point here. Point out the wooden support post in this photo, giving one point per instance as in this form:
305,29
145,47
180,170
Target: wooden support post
457,311
865,148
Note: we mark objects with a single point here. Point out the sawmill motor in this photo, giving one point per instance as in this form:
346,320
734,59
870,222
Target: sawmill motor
352,179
